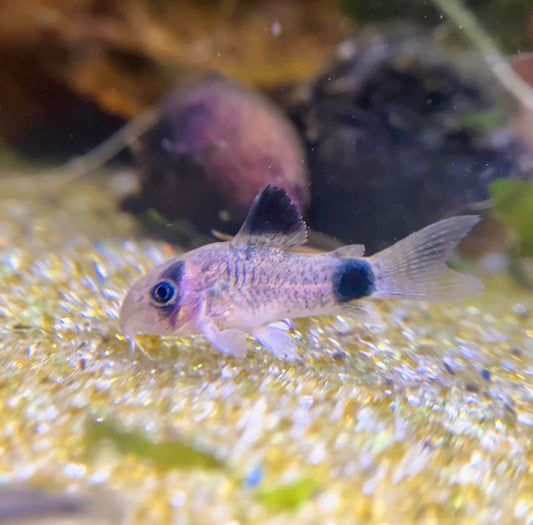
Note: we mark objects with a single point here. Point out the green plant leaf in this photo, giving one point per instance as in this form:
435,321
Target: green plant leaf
288,496
170,454
513,200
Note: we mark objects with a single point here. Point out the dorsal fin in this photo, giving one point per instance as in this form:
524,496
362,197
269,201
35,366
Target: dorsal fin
323,241
273,219
352,250
221,236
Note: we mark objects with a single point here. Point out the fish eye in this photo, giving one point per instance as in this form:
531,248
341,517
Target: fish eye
164,292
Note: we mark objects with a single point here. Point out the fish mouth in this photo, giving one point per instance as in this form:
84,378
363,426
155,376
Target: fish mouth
125,324
129,315
126,332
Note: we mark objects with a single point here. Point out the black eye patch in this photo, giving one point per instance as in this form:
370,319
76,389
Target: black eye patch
174,272
170,280
164,292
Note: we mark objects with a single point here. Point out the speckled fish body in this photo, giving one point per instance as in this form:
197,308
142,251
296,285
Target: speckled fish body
264,284
243,287
248,286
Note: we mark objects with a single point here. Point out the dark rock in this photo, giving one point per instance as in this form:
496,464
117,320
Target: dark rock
397,138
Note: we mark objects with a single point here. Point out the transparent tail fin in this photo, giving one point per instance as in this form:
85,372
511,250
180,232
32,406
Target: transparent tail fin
415,267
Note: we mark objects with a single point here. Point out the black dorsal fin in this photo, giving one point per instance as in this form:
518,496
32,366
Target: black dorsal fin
273,219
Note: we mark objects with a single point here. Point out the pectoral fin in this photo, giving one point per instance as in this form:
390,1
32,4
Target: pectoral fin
231,341
277,339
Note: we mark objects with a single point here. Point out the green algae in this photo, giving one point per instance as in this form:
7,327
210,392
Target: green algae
167,455
288,496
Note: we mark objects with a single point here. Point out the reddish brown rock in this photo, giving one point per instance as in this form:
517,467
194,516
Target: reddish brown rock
215,147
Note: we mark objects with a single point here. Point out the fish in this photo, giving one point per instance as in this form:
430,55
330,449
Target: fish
255,284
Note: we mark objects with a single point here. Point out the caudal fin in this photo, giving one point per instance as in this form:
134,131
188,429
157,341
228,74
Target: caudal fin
415,267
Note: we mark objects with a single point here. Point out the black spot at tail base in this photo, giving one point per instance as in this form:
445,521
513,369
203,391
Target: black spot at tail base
352,280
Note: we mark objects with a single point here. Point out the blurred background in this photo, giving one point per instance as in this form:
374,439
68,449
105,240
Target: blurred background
377,117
